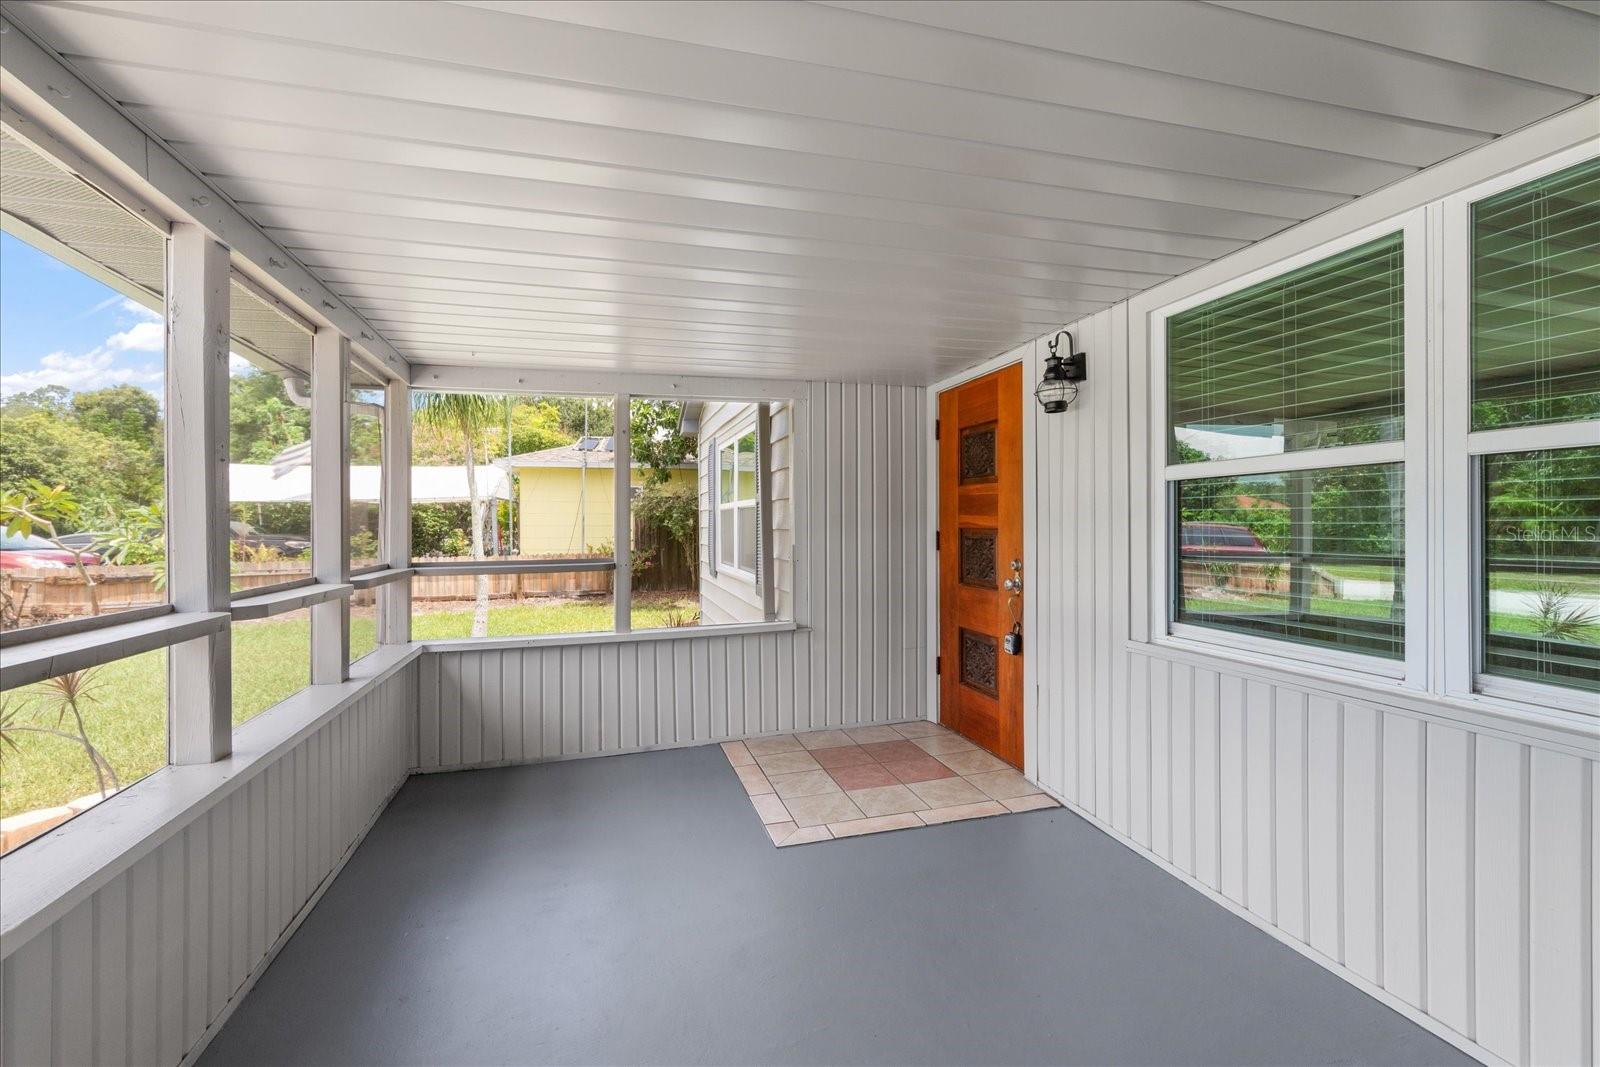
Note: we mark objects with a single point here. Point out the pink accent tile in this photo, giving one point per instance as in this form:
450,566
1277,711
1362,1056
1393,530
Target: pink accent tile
918,729
865,776
753,780
737,754
925,769
876,825
770,808
889,751
964,811
851,756
1031,803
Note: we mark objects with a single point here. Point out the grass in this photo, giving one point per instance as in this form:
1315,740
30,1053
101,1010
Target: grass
127,710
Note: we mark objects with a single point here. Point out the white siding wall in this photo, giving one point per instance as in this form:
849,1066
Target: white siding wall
146,967
1439,858
858,656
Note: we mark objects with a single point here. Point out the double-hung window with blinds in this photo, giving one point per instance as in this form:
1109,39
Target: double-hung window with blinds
1285,455
1535,341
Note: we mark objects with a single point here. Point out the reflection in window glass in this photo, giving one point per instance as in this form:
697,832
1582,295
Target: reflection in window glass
82,429
68,743
1536,301
271,661
366,471
1314,557
363,623
1541,593
269,443
1311,359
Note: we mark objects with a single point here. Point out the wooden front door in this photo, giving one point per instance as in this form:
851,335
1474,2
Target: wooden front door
980,548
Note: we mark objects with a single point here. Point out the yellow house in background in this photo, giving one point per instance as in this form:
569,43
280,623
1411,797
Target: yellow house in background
565,495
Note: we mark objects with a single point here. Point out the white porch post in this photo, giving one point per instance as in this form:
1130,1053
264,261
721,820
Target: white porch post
622,518
330,503
199,672
394,598
769,588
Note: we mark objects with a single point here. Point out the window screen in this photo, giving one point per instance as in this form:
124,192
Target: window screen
1536,302
1541,583
1310,359
1315,557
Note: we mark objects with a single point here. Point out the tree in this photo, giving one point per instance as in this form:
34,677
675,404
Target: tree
105,476
53,400
262,420
536,426
123,412
466,415
654,437
37,508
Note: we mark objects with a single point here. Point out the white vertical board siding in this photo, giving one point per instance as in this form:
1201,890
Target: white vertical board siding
145,968
859,655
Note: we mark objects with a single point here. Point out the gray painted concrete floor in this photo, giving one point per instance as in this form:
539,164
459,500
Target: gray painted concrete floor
631,910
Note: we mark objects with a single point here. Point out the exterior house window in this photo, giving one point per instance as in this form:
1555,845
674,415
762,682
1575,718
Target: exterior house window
737,504
1285,455
1535,346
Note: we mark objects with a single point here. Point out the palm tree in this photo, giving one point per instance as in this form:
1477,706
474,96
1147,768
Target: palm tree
469,415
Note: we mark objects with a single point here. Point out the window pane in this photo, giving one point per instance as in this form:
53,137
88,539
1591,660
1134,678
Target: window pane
747,539
366,470
747,467
363,623
1314,557
269,443
1536,302
82,431
271,661
1312,359
1542,566
725,488
70,742
511,605
726,535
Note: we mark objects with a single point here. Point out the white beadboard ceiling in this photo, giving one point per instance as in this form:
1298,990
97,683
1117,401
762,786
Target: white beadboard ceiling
855,190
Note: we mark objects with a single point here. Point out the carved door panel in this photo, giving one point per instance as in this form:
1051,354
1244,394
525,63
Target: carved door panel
980,548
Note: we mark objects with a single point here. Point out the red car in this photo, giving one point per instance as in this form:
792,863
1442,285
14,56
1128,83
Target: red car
33,553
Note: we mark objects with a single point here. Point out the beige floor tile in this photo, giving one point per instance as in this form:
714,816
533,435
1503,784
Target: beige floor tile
787,763
975,761
825,808
766,746
753,780
780,831
887,800
1031,803
940,743
824,739
770,808
806,835
804,784
947,792
1002,785
865,735
918,729
934,816
875,825
737,754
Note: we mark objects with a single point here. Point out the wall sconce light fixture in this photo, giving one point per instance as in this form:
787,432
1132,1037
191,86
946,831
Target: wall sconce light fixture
1058,388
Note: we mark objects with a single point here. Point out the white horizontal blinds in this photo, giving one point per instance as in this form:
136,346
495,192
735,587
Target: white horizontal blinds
1311,359
1536,301
1315,557
1541,586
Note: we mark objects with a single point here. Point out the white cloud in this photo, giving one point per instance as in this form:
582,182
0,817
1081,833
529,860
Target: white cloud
140,337
139,311
96,370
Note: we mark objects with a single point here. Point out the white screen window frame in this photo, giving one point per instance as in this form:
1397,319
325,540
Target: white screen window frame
1412,671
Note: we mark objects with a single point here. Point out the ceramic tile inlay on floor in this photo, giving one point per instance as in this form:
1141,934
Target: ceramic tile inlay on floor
843,783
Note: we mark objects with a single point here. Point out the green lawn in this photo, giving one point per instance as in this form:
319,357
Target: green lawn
125,709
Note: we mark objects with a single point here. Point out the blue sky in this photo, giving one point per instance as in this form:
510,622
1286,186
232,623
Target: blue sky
61,327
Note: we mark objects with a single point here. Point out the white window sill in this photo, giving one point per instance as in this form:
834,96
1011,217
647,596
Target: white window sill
1572,731
676,633
47,877
36,661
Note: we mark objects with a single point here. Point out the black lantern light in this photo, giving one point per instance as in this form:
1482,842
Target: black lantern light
1058,388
